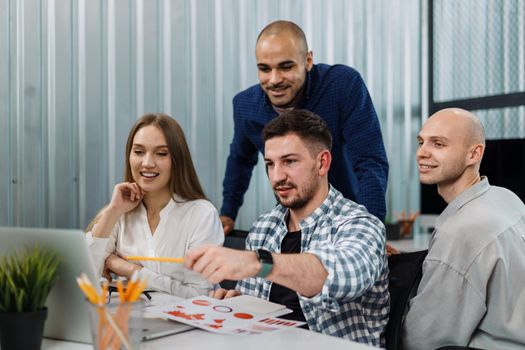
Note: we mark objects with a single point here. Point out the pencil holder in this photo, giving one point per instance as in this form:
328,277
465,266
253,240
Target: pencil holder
116,325
406,227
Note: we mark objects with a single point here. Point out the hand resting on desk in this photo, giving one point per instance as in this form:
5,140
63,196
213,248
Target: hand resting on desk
222,293
391,250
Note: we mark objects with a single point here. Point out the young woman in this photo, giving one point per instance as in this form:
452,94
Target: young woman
160,211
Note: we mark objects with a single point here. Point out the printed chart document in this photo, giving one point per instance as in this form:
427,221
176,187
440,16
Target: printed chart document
241,315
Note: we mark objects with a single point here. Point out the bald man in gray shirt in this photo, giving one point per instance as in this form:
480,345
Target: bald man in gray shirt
473,288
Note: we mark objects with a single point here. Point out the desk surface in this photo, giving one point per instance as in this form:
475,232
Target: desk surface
420,241
294,338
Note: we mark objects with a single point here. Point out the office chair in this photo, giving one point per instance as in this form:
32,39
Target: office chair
456,347
236,240
404,277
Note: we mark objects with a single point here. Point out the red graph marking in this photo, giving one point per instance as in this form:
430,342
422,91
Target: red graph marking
180,314
216,326
243,315
186,316
263,328
201,302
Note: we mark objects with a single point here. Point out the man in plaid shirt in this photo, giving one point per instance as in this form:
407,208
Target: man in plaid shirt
318,253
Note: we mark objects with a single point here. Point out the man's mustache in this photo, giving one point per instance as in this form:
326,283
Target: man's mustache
276,87
283,184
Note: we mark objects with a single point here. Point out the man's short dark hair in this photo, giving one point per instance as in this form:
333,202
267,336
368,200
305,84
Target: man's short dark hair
310,128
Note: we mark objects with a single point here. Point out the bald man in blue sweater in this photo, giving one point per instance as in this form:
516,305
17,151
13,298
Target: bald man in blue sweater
289,79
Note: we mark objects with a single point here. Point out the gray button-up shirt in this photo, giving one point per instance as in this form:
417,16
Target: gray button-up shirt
473,286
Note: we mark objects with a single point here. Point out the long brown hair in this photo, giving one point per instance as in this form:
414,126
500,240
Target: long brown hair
183,178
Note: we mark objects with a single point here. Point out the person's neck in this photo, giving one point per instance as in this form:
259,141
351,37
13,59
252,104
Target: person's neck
297,215
450,191
156,201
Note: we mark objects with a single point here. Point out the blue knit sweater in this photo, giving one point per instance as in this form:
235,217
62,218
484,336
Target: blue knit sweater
338,94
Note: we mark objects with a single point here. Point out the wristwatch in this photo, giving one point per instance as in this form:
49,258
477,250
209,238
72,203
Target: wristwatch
266,260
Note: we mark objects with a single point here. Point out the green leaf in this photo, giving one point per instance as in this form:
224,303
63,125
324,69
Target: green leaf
26,279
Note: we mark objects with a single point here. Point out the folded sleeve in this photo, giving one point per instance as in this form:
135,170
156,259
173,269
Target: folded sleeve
354,261
101,248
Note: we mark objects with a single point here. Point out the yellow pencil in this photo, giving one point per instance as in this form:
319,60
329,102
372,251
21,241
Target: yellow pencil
132,283
120,289
137,291
90,294
104,295
152,258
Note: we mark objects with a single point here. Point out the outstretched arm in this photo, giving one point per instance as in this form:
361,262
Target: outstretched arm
218,263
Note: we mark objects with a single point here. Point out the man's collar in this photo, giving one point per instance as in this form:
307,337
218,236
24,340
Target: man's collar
463,198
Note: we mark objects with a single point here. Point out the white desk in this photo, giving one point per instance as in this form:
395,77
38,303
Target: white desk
294,338
419,241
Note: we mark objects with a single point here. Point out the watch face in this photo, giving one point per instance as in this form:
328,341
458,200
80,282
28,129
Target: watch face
264,256
266,259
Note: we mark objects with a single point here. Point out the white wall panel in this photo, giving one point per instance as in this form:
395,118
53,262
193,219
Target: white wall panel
6,158
76,74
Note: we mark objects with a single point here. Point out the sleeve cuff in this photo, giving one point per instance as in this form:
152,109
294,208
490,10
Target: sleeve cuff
323,299
229,211
96,243
97,247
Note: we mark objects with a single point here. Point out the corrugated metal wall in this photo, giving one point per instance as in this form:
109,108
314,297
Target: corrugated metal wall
74,75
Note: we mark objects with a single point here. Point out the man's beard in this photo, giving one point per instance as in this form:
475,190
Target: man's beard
302,199
299,95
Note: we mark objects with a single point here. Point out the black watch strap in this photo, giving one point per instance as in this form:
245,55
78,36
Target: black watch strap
266,260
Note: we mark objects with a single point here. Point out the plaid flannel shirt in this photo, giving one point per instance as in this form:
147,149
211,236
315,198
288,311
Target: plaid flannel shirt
350,243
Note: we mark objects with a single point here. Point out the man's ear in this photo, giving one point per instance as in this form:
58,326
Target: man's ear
309,60
325,160
476,154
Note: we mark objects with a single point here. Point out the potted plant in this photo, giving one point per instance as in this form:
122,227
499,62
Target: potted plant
26,278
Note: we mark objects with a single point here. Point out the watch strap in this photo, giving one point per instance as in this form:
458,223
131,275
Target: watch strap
266,260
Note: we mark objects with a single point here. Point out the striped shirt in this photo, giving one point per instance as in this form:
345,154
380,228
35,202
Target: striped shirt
350,243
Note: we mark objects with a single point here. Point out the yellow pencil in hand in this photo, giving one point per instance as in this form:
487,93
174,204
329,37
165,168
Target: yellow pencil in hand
153,258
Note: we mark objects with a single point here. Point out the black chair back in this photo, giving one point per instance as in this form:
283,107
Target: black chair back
455,347
404,277
236,240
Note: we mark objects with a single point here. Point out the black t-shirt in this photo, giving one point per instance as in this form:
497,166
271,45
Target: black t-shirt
278,294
